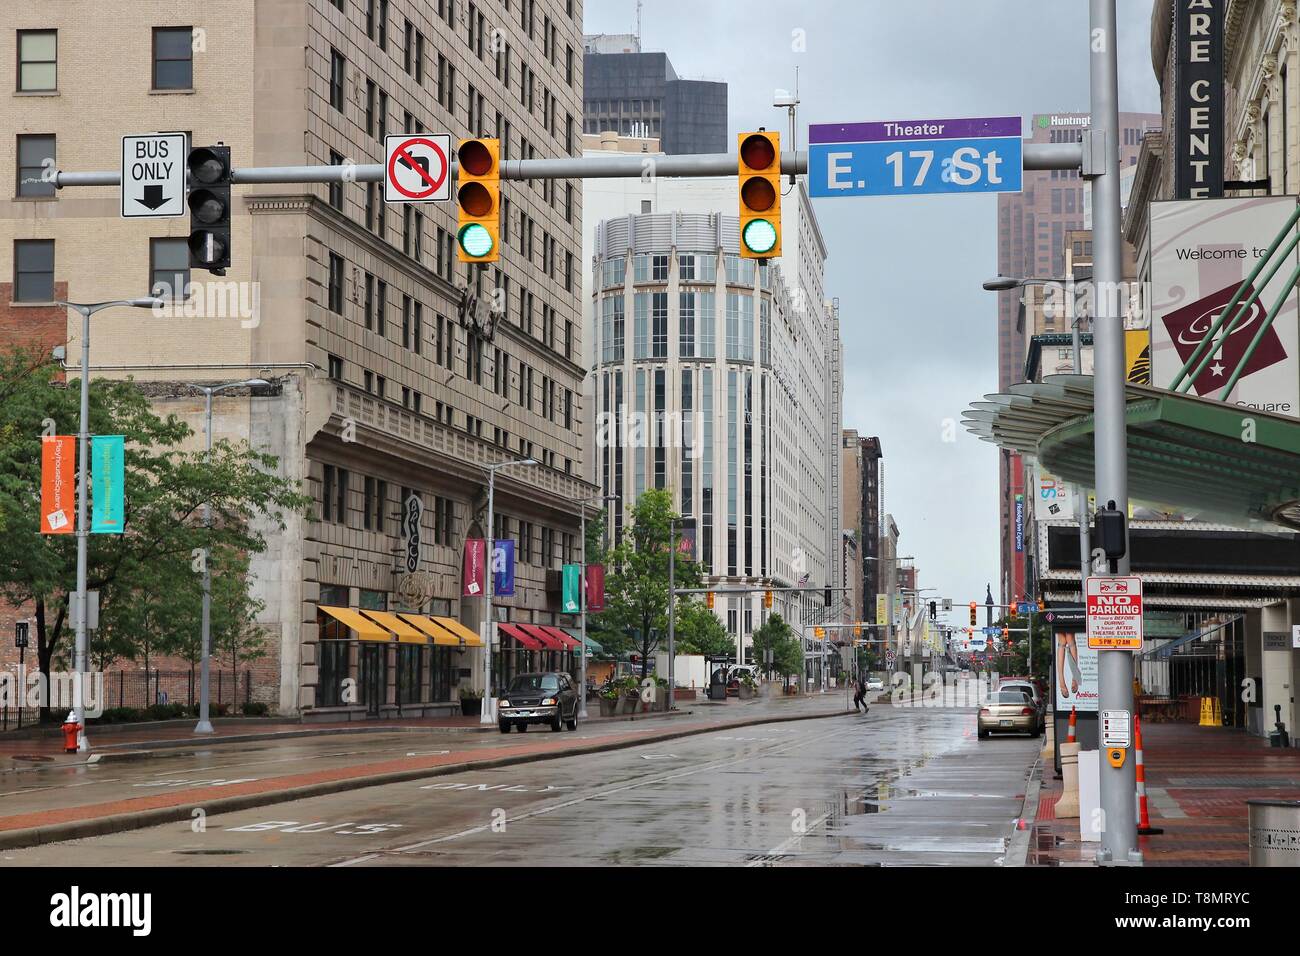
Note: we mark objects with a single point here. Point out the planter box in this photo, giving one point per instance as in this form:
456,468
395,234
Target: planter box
685,693
630,705
745,693
608,708
471,706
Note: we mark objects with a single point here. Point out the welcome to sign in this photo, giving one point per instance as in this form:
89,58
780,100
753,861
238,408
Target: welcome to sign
1198,98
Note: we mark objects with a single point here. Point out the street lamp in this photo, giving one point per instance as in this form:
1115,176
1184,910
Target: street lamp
204,726
673,525
582,598
487,714
86,310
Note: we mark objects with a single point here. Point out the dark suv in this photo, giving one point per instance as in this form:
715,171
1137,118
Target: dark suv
540,698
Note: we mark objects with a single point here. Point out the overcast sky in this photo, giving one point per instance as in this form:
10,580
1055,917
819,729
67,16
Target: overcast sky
919,333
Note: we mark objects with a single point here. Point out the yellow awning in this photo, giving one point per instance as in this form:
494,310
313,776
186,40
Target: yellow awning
405,633
460,630
439,634
367,630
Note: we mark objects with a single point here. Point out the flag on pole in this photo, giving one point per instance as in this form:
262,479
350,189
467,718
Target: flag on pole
107,472
503,566
595,587
569,602
58,484
472,568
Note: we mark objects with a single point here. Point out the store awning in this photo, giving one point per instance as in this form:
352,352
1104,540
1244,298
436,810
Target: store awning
558,633
515,633
366,629
459,630
548,642
592,646
427,625
1182,450
406,634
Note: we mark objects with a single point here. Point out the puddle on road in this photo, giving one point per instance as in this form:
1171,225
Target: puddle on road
640,854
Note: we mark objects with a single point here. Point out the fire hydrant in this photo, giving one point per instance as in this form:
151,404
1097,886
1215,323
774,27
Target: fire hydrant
70,731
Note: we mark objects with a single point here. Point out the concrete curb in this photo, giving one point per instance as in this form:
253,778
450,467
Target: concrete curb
118,823
1018,850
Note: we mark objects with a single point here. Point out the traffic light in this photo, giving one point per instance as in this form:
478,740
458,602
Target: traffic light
708,600
857,630
209,202
934,610
478,198
767,599
819,632
760,194
828,597
1042,605
974,612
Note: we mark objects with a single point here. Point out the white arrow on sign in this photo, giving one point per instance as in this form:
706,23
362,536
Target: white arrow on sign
417,168
153,176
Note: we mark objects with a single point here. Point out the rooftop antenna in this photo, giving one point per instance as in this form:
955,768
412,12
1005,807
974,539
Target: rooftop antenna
791,103
638,25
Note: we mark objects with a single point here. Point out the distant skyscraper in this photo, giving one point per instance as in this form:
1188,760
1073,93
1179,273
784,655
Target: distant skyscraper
640,94
1032,228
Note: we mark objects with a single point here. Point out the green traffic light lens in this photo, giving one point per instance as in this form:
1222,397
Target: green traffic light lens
475,240
759,236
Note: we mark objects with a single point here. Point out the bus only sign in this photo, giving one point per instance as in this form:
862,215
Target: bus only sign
1115,613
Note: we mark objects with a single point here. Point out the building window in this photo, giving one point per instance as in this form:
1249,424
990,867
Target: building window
34,270
336,283
337,66
37,61
173,58
335,368
35,156
169,268
336,188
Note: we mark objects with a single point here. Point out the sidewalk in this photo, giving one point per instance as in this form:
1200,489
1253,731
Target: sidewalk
1198,781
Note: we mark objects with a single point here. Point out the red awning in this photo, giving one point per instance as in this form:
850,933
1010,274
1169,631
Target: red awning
535,631
558,634
513,631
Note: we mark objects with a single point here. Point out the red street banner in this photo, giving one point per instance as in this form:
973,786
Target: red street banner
595,587
473,575
58,485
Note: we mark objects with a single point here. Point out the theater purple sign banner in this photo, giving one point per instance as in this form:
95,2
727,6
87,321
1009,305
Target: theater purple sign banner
1201,252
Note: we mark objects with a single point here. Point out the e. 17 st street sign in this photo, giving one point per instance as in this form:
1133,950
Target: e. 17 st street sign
915,157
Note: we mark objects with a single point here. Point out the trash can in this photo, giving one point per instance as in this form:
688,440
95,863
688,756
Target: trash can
1274,832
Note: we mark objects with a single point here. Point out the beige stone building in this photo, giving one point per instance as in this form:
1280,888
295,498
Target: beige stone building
381,385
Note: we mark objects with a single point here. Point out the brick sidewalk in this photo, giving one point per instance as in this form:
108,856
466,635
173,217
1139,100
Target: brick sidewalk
1198,781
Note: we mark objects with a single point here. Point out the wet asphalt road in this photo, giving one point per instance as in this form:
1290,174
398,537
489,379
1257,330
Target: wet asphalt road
896,787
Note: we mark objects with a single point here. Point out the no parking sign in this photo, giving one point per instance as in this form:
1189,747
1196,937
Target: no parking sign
417,168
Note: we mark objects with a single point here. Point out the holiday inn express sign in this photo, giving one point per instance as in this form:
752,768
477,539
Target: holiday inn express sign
1198,98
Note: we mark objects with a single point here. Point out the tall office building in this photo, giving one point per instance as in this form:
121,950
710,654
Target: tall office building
640,94
1032,227
383,385
669,248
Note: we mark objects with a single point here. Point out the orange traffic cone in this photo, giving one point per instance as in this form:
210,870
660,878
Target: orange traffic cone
1074,719
1144,821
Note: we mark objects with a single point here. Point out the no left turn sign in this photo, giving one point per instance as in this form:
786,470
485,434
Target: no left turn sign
416,168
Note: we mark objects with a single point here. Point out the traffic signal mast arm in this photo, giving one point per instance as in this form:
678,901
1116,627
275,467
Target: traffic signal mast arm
1036,156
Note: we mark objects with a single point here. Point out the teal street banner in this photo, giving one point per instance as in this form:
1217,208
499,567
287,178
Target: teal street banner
106,473
572,585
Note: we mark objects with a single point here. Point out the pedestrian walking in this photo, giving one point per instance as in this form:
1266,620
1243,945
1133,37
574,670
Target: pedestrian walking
860,696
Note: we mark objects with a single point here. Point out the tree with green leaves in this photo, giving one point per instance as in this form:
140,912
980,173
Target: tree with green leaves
636,582
787,649
700,632
165,489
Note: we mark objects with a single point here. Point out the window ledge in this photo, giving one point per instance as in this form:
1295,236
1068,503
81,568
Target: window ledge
32,305
54,198
36,92
190,91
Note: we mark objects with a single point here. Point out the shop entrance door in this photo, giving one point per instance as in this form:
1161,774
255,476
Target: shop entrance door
372,677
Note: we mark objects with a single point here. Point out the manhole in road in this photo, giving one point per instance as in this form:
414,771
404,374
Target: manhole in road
208,852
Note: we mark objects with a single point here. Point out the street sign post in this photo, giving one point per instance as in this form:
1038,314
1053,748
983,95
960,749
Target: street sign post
417,168
153,176
1115,613
915,157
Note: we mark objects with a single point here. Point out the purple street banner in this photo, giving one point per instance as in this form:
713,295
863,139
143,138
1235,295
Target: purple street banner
503,567
472,574
916,157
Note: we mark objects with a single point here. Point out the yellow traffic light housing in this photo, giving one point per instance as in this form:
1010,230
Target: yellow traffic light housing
708,600
478,200
759,171
819,632
767,599
857,630
974,612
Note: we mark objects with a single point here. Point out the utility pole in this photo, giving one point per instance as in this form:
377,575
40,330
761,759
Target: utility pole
1101,165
